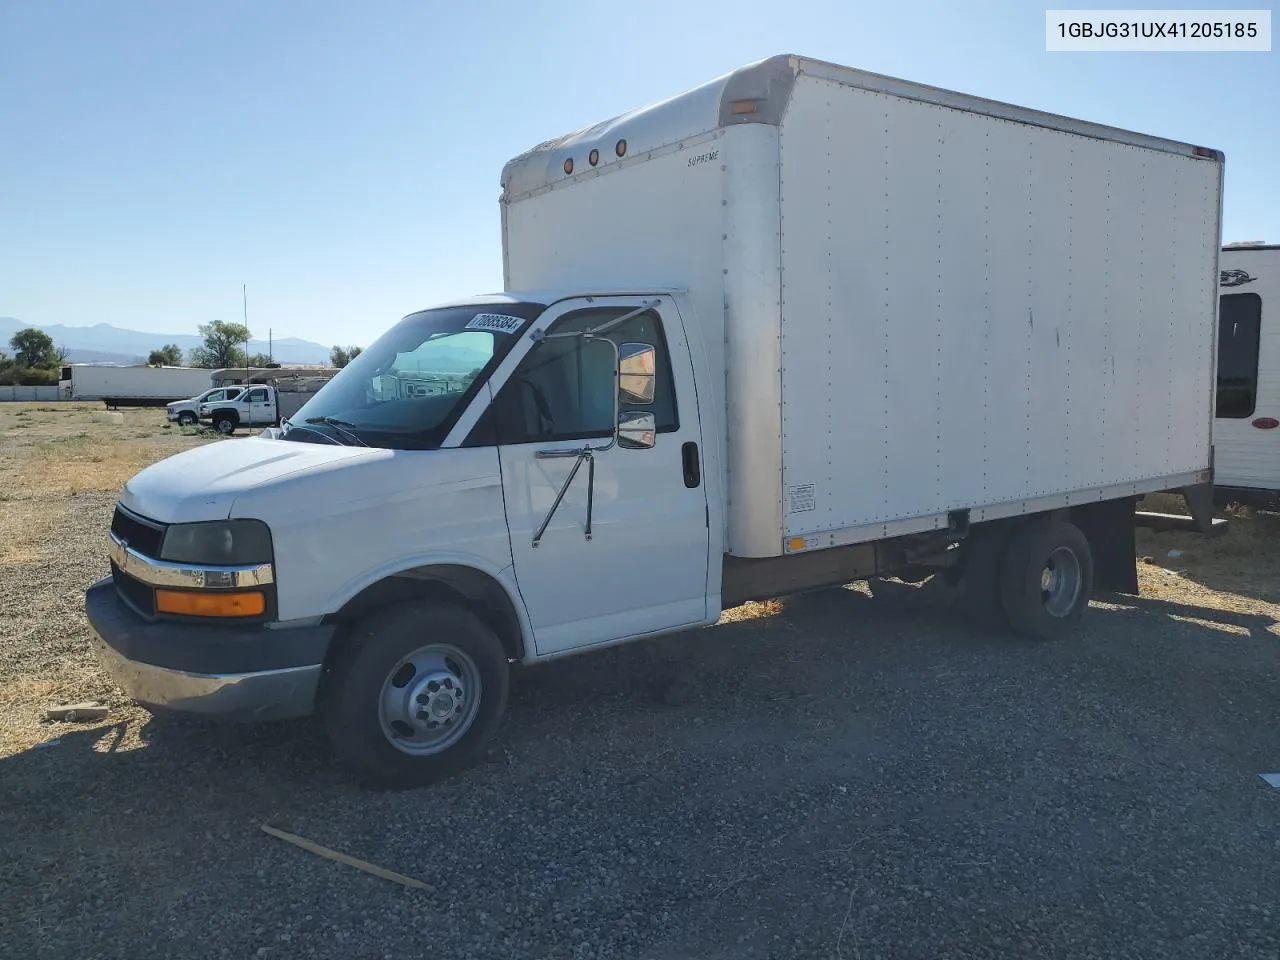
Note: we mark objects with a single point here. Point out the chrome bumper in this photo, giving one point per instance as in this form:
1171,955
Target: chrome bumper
250,673
265,695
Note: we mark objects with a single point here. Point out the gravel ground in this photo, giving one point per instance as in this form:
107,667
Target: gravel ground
835,776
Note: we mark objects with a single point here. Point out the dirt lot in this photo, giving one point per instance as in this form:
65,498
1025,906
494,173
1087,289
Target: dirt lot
843,775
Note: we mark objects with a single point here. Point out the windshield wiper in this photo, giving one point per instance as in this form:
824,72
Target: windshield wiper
290,426
343,427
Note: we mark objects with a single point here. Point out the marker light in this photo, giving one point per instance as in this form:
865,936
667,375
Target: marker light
190,603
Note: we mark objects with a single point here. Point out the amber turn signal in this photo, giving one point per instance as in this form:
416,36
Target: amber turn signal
189,603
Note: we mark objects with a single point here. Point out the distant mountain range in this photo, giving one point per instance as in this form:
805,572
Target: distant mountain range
103,343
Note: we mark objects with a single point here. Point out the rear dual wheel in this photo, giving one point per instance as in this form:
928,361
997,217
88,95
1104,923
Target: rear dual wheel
1035,579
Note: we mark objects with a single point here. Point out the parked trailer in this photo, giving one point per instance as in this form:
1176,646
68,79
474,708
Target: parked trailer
799,326
1246,428
131,386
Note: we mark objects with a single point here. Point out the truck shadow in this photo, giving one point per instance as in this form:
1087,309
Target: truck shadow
802,651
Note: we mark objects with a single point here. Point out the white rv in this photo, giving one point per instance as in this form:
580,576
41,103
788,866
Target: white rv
1246,428
799,326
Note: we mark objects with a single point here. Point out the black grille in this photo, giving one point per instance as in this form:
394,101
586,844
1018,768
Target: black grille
134,592
141,535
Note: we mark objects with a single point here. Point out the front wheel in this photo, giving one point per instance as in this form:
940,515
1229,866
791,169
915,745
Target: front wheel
414,693
225,424
186,418
1046,579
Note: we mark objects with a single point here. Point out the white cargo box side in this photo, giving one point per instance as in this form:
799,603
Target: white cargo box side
979,312
915,301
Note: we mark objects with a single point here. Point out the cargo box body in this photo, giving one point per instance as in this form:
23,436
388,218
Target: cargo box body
915,302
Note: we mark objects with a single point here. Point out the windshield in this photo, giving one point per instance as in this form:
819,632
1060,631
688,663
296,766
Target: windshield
406,390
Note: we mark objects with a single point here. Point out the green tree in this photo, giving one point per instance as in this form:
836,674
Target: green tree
170,355
341,356
223,345
34,349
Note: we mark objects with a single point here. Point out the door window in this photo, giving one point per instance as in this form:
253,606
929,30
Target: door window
1239,326
256,396
563,388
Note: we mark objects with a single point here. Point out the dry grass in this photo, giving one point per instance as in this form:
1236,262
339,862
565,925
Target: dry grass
61,468
59,451
1235,573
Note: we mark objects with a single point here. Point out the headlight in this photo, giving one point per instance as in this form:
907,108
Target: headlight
223,542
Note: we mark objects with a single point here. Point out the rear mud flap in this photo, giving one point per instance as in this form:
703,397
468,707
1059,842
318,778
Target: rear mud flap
1111,531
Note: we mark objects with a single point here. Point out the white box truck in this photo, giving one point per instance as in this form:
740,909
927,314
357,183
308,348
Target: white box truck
131,386
800,326
1246,429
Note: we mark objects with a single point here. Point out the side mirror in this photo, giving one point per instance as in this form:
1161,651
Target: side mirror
636,430
637,370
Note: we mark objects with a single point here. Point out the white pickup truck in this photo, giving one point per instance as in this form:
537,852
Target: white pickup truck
800,326
187,412
256,405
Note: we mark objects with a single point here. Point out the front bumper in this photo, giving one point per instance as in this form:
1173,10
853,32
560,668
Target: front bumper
213,670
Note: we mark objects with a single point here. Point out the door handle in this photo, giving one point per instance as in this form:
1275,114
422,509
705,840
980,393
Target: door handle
692,470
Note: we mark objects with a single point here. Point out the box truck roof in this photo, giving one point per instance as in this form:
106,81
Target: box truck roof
549,296
759,93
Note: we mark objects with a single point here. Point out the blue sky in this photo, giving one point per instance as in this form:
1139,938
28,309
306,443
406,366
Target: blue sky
342,159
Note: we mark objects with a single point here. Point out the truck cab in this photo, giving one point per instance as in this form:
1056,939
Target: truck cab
572,425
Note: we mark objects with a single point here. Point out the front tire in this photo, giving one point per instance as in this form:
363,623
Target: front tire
186,418
1046,579
225,424
414,694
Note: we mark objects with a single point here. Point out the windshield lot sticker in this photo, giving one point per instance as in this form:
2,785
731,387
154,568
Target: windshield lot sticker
494,322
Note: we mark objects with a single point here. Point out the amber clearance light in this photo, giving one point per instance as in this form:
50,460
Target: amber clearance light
244,603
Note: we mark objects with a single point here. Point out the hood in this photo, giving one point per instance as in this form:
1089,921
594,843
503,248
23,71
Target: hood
203,484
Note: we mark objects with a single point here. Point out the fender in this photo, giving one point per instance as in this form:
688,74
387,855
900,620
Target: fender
404,567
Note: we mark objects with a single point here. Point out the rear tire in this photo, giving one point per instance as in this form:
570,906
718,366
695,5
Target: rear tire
414,694
1046,579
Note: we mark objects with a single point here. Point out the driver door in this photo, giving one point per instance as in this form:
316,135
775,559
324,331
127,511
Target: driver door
642,566
260,407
